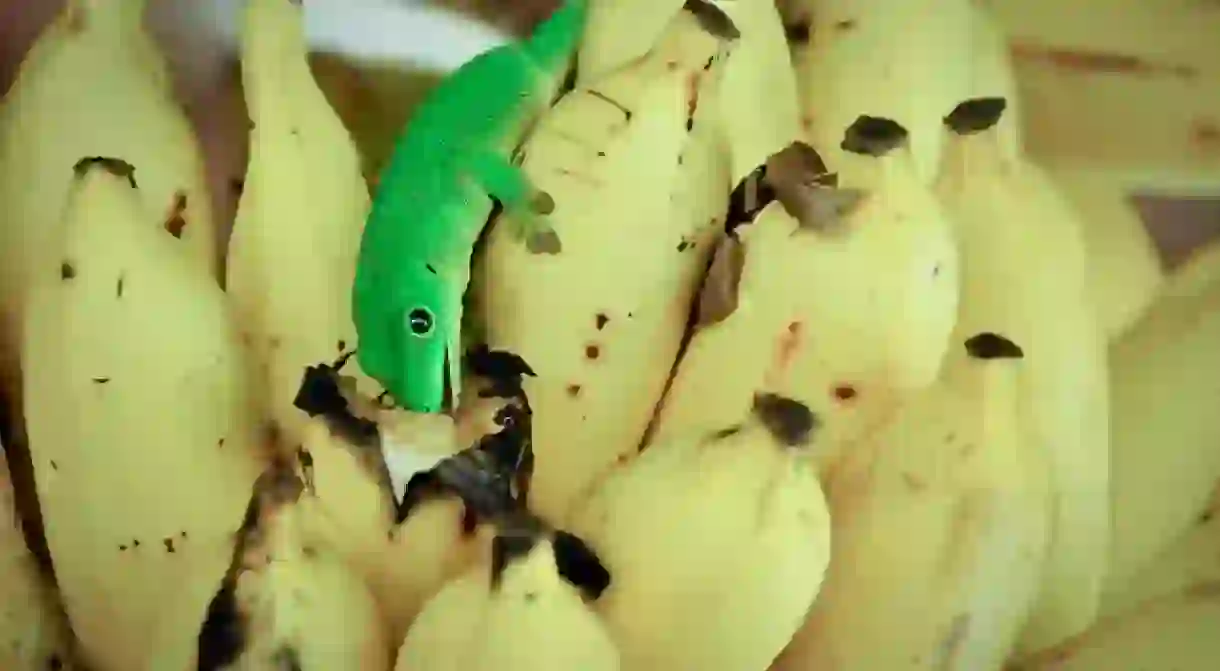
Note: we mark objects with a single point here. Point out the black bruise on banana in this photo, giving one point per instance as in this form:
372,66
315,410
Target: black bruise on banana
988,346
576,563
505,372
321,395
976,115
115,166
223,636
873,136
789,421
712,19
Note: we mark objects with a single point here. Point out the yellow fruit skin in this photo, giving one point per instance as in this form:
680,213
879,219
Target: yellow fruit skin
638,201
880,332
531,621
33,633
619,32
940,529
716,545
1163,392
139,426
907,62
90,87
292,256
1023,275
1124,267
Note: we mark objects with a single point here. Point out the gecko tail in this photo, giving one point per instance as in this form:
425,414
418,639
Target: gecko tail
554,42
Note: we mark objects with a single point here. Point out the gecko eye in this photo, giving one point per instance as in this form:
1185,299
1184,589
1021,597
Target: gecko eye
420,322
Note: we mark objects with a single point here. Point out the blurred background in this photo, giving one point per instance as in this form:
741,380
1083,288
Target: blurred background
375,58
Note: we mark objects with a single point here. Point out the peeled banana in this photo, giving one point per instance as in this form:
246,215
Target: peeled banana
524,609
33,633
1023,275
940,528
717,542
93,84
137,416
287,601
640,194
1165,434
905,62
292,254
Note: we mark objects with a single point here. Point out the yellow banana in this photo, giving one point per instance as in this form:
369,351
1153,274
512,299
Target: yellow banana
1165,435
525,612
1191,558
1124,266
1023,274
620,32
940,529
905,62
638,198
716,543
139,427
1175,631
287,601
33,632
92,85
843,351
291,258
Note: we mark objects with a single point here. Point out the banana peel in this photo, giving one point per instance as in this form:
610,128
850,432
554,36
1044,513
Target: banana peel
292,258
140,432
640,190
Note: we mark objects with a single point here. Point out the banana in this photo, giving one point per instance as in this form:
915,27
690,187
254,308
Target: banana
140,431
527,611
1023,275
292,259
1165,460
1175,631
940,529
638,198
1124,266
620,32
847,352
1191,558
33,633
93,84
905,62
717,543
287,601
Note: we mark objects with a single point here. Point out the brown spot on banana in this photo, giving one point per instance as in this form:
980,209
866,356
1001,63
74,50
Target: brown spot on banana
790,422
175,223
718,296
873,136
976,115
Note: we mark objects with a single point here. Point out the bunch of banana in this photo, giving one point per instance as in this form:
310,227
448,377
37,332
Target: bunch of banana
846,352
292,254
287,600
1124,267
905,62
93,84
940,524
523,608
717,542
136,411
33,632
1165,455
1023,274
640,189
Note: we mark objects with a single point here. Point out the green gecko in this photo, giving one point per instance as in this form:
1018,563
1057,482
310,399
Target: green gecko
453,162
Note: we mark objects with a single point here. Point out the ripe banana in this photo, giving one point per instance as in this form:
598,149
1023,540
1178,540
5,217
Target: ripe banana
1176,631
881,331
638,198
92,85
1165,456
292,255
527,611
717,543
1191,558
33,633
940,528
621,32
287,600
906,62
139,427
1023,275
1124,266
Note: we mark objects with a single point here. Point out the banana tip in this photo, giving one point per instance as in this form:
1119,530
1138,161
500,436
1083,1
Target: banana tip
115,166
976,115
789,421
987,346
